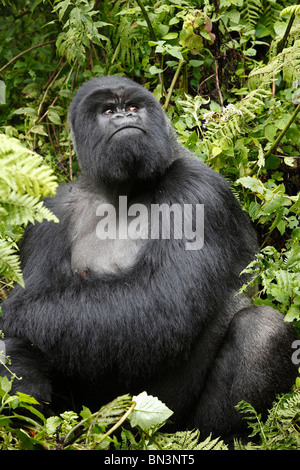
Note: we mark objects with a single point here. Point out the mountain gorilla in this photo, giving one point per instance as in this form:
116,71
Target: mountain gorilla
115,302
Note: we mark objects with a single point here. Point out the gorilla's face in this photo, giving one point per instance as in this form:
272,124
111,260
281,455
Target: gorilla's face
120,131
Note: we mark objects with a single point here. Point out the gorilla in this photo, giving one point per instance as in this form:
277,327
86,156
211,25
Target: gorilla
136,288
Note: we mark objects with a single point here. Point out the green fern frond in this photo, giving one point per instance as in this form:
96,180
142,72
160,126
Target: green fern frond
22,169
190,440
289,406
285,281
130,45
271,12
9,262
22,209
288,59
278,273
252,12
281,430
229,123
290,10
23,180
128,440
211,444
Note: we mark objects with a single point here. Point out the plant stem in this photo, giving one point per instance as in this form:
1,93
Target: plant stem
121,421
282,42
66,443
218,84
151,30
180,64
284,130
116,53
48,88
24,52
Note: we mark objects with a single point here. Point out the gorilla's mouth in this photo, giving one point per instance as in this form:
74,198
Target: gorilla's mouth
126,127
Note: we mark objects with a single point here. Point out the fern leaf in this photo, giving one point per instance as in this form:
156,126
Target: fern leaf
252,12
281,430
131,43
9,262
290,10
22,169
190,440
229,123
23,180
24,209
211,444
289,57
271,12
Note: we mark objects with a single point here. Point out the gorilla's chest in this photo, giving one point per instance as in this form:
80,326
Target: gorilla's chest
106,239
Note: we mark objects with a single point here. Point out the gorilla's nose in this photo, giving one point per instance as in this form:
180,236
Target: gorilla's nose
124,119
128,114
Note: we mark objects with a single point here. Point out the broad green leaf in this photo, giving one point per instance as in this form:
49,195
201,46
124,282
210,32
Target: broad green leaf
170,36
252,183
54,117
52,424
154,70
28,399
5,386
196,63
149,412
26,110
216,151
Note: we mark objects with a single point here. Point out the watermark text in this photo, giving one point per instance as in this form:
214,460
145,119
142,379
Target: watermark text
157,221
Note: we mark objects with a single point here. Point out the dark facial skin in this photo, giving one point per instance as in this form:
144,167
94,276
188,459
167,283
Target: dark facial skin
119,117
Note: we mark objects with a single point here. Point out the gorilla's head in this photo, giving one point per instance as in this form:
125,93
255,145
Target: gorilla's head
120,131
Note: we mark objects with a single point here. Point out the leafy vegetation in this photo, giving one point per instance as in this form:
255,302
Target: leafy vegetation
23,179
227,72
281,430
144,416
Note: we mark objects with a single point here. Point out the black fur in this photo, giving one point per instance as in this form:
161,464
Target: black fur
165,320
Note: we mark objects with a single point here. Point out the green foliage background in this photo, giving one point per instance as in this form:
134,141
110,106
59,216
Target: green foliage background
227,72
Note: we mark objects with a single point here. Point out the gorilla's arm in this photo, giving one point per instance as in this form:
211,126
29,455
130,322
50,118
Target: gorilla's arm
125,321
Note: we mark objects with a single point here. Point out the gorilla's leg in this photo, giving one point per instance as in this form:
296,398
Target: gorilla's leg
254,364
29,365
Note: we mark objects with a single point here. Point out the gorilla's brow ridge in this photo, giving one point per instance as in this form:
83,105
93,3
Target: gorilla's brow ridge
120,95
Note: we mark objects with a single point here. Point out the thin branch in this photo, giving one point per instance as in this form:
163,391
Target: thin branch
180,64
95,52
150,27
50,136
283,132
218,84
118,424
116,52
53,102
203,81
43,116
25,52
273,86
67,442
48,88
282,42
52,74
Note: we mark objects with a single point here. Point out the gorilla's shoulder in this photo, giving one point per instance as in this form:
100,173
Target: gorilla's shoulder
66,195
187,169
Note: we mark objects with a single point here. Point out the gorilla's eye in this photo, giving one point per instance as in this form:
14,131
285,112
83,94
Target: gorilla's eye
109,111
133,108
